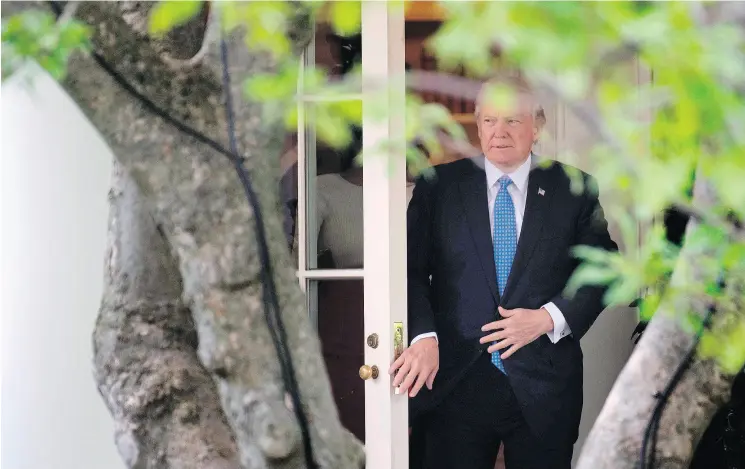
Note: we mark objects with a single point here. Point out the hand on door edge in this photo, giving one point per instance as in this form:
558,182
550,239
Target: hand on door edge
417,366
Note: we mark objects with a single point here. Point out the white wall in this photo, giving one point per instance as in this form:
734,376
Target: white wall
55,177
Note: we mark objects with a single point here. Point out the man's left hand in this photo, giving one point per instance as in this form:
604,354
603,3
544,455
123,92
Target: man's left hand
518,328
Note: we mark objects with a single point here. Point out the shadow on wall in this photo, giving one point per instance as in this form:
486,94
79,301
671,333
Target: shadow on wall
55,178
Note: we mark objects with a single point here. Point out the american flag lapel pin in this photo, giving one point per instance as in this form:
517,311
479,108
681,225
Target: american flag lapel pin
541,191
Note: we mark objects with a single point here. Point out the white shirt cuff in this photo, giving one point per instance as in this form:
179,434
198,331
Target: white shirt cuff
561,328
423,336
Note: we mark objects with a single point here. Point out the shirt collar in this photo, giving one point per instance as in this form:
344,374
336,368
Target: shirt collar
519,176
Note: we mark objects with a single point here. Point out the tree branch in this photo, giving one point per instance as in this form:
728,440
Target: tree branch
615,439
206,26
69,12
731,228
620,55
165,406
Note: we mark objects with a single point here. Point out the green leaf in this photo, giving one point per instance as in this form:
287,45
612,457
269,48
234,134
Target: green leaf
266,87
291,119
350,109
346,17
74,35
732,352
728,173
576,180
279,86
416,161
37,36
623,291
649,305
434,115
332,128
710,345
652,196
500,96
588,274
734,257
166,15
266,27
469,23
593,255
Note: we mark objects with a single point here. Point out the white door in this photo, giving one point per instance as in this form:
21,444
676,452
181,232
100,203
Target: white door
385,231
350,240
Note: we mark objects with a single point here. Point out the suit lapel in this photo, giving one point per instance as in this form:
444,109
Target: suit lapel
540,194
475,205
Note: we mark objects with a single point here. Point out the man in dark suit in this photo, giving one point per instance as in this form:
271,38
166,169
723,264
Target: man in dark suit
493,336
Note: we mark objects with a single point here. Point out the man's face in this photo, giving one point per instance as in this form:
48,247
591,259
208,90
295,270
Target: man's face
507,134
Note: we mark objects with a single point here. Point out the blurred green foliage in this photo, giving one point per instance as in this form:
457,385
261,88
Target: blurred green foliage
167,15
35,35
653,136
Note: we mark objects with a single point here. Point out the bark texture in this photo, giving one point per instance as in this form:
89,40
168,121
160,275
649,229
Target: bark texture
616,438
195,198
166,408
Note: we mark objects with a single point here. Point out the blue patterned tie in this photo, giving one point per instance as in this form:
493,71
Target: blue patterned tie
505,244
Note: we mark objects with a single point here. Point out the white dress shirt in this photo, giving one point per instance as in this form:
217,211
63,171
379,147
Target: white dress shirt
518,191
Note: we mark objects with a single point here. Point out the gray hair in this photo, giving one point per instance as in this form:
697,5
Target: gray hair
517,83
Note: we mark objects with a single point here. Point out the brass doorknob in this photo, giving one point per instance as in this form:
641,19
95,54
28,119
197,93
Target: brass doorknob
367,372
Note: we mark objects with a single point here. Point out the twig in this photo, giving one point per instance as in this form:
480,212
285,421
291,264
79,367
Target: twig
449,85
211,35
460,146
734,232
724,12
626,51
68,13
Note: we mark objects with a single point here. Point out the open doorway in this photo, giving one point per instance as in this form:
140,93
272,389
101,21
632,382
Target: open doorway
565,138
323,197
422,21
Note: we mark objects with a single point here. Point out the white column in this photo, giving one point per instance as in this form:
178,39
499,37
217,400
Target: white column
386,413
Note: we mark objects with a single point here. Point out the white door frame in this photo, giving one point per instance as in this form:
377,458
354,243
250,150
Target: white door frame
383,59
384,220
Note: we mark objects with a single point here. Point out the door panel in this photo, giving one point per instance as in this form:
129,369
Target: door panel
340,312
322,192
334,225
350,238
385,195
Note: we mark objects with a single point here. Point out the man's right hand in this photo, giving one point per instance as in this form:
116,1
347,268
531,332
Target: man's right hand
417,366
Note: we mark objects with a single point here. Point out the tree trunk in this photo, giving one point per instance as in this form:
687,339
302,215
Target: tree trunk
615,439
196,200
165,406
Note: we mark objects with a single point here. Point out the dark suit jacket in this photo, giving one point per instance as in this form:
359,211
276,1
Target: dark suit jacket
452,285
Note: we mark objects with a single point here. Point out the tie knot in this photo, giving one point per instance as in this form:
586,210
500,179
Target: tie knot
504,182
